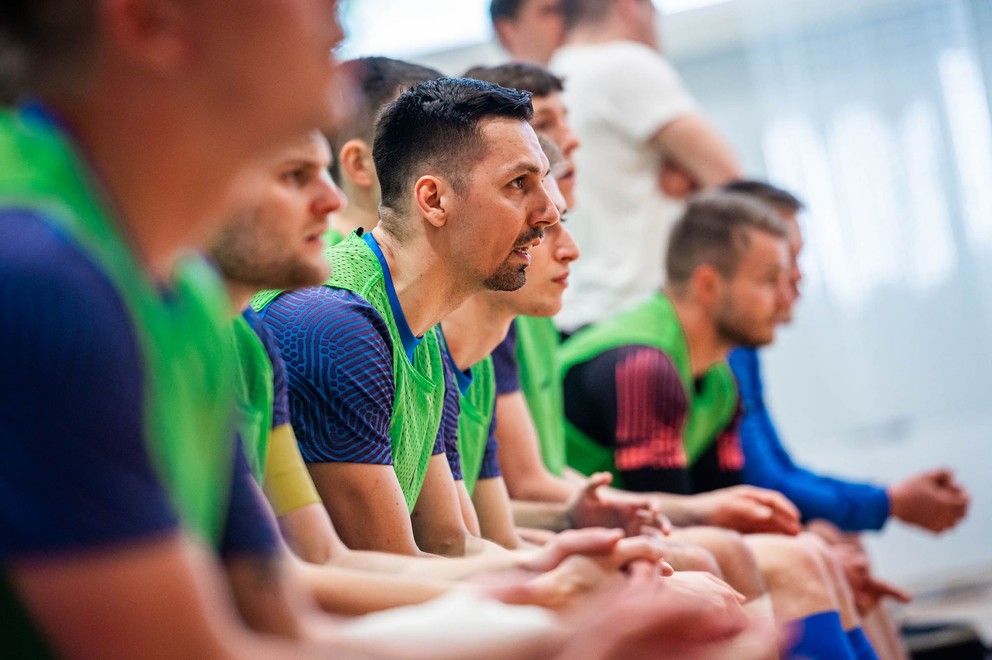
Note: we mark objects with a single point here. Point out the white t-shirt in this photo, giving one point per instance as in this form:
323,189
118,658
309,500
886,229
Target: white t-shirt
618,95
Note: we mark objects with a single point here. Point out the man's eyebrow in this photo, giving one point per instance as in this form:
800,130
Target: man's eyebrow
527,167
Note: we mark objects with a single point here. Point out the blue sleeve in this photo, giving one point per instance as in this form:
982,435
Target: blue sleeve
490,464
339,367
76,473
505,363
448,433
249,527
849,505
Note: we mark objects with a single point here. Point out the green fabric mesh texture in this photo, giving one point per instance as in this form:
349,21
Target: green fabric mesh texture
537,361
419,400
653,323
189,396
475,414
255,394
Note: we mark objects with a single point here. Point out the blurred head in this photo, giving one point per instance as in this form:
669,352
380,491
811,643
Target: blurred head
378,81
550,114
728,254
788,207
457,159
274,240
529,30
635,19
195,52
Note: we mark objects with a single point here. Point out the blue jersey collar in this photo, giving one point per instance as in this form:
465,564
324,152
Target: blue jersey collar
410,342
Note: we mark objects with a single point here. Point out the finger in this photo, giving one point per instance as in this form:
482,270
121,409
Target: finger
779,503
637,548
884,589
595,481
588,541
643,570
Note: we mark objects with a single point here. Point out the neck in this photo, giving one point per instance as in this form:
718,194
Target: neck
427,288
474,330
706,347
353,216
165,193
240,295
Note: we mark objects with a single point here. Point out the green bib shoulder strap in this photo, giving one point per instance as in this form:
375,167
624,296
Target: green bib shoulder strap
255,393
475,416
419,398
537,362
655,323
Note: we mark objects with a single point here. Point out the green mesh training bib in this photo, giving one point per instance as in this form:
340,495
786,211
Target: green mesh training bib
188,376
255,394
419,398
537,363
475,415
653,323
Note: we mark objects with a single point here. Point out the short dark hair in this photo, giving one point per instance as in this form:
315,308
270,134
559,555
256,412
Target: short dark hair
44,44
775,197
715,230
576,12
524,76
379,80
437,125
504,9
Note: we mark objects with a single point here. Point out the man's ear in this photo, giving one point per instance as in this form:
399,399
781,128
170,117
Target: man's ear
355,162
706,284
158,34
433,195
504,32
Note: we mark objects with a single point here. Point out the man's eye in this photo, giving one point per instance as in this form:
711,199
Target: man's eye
518,182
298,177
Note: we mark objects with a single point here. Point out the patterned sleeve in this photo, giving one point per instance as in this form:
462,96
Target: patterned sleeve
631,399
447,434
505,363
490,463
338,357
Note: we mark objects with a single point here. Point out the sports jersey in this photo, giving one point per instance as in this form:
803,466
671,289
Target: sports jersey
118,392
850,505
657,417
263,398
363,388
473,456
619,95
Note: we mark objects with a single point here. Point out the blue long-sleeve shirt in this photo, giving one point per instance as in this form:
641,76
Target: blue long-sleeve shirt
849,505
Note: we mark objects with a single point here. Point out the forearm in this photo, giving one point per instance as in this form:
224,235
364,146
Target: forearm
356,591
429,567
681,510
552,516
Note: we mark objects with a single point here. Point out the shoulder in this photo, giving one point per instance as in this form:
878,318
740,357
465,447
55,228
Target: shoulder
50,285
337,319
